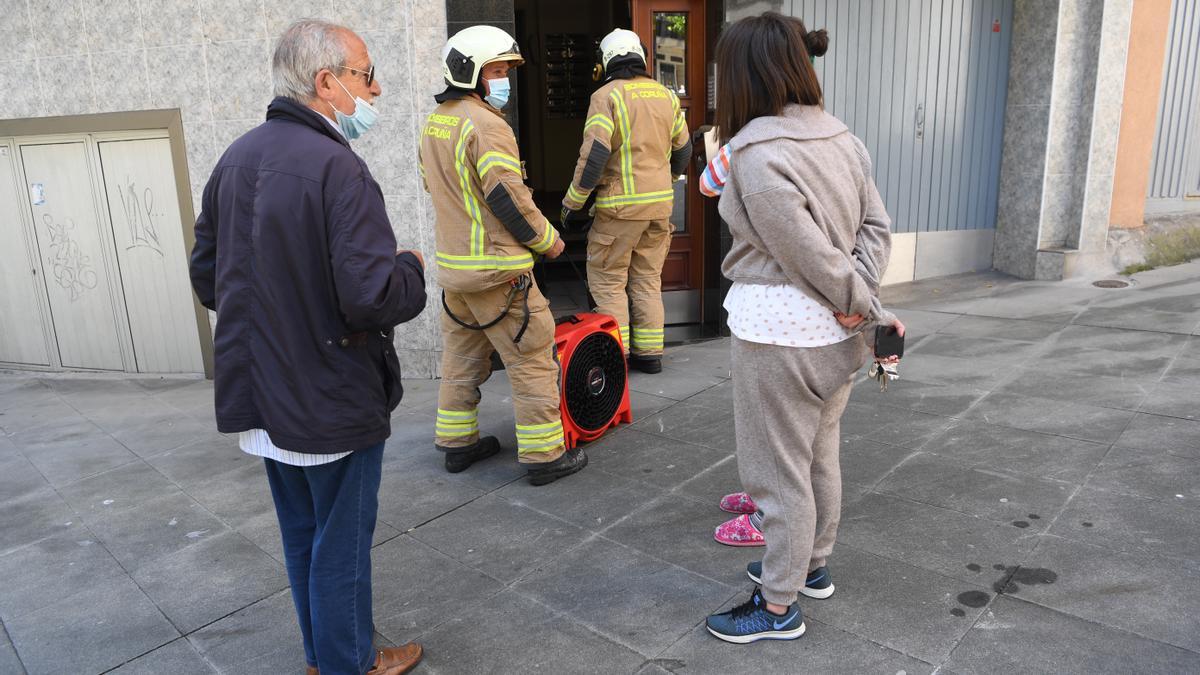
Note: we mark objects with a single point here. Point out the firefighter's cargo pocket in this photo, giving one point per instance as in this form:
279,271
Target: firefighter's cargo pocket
600,248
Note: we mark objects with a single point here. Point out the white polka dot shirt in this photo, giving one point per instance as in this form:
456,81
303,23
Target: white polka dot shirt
781,315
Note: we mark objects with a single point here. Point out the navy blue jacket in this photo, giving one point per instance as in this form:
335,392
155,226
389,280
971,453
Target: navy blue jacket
295,253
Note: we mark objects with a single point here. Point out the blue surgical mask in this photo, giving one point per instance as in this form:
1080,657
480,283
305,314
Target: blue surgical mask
364,117
498,92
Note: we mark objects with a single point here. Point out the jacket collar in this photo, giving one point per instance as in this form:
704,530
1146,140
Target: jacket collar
291,111
797,122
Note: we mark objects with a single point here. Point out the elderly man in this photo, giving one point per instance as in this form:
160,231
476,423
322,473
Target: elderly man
295,253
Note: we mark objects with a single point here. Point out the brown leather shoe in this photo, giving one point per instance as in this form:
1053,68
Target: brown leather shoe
309,670
397,660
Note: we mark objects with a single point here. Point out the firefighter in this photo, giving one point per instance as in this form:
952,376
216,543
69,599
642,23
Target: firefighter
635,142
488,234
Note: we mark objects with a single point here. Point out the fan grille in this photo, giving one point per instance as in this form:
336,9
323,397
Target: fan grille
595,381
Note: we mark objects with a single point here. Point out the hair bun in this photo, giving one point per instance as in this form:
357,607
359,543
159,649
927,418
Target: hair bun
816,42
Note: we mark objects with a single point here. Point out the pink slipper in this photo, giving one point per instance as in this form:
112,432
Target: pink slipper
739,532
738,502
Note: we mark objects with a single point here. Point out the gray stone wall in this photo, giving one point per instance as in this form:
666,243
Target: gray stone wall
211,60
1062,123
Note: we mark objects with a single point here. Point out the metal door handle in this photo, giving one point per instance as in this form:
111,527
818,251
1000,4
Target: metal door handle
920,121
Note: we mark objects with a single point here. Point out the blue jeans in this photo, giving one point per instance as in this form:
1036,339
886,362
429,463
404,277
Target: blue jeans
327,518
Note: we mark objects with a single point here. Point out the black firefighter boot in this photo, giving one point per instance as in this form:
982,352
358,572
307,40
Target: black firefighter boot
570,462
646,364
458,459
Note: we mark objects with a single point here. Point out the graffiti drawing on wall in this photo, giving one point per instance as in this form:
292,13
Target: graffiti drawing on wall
71,268
139,217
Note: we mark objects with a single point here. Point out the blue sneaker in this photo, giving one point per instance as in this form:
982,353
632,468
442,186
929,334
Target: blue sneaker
818,585
750,621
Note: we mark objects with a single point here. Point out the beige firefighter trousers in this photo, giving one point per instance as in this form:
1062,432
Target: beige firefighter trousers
624,270
532,367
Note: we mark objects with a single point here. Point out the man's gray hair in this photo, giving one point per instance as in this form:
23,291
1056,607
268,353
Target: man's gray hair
304,49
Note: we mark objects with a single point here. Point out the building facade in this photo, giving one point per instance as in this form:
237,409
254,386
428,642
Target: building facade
1011,134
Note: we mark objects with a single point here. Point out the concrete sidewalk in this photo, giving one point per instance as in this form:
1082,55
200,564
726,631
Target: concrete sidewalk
1026,499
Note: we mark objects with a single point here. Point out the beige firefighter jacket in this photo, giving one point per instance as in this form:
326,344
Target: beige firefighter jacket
635,141
488,228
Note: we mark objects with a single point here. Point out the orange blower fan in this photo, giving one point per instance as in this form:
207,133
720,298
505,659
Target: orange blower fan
595,379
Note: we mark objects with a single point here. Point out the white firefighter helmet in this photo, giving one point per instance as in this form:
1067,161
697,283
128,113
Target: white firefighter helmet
619,43
469,50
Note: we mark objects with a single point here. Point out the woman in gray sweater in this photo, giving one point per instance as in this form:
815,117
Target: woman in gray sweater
799,197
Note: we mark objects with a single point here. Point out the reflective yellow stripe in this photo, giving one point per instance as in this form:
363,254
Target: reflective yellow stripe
575,195
547,240
470,203
601,121
444,433
457,423
533,428
485,262
644,198
680,124
421,168
491,159
627,182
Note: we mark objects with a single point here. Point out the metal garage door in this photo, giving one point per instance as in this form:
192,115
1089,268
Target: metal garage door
1175,174
923,83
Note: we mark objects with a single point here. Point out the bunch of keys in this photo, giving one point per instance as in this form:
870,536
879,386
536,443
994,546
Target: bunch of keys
884,373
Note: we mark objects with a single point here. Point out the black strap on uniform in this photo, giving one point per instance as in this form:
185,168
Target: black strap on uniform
522,285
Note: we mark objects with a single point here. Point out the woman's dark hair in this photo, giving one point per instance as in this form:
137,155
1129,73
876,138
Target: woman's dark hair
763,63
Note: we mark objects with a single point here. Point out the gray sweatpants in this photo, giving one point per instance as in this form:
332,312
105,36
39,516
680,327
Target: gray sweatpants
788,404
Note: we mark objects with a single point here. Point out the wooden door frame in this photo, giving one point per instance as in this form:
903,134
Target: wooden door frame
642,12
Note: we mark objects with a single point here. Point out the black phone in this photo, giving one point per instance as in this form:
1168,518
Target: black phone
888,342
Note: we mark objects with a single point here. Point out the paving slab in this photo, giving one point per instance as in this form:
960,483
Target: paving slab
1142,594
952,544
1177,436
155,528
53,569
161,435
905,608
18,476
978,444
690,543
997,496
1150,473
177,658
201,460
415,588
32,517
673,383
945,399
650,458
1005,329
200,584
1062,418
823,649
890,424
21,416
1045,380
867,462
93,631
699,424
66,461
501,539
9,661
1126,523
631,598
1014,636
116,490
1174,399
596,501
262,639
511,633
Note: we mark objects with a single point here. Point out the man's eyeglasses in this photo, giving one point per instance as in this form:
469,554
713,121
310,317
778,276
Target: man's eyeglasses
370,74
